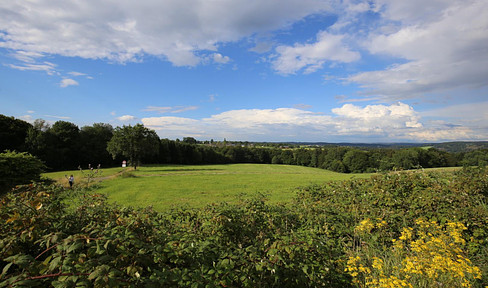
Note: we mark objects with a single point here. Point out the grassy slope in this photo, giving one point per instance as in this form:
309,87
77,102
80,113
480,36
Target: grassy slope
168,186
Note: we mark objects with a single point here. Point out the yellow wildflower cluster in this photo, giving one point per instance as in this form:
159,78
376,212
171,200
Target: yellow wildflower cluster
366,225
430,253
373,277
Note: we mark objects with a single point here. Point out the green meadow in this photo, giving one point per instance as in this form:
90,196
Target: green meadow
171,186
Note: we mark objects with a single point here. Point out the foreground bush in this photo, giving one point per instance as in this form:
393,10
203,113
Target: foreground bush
45,243
48,240
18,168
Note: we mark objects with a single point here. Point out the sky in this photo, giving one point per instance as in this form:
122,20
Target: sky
252,70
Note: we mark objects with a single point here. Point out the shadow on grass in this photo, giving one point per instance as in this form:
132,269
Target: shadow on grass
184,170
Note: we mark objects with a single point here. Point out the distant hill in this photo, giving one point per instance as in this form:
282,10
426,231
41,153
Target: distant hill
460,146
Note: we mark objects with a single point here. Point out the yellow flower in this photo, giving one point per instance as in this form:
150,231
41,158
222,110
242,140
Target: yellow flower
364,226
430,253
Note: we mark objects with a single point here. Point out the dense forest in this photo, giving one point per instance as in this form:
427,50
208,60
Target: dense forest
64,146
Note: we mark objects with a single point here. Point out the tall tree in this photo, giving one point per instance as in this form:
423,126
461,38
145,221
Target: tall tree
65,149
94,141
13,133
134,142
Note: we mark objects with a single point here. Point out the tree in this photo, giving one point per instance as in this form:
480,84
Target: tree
66,147
190,140
134,142
356,161
406,159
94,141
58,146
13,133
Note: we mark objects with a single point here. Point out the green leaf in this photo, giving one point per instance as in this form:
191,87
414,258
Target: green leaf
5,269
94,274
54,263
23,260
74,246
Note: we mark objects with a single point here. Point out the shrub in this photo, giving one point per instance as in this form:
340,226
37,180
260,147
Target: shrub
18,168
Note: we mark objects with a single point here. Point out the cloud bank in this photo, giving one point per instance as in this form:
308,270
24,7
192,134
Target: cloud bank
438,47
123,31
378,123
442,46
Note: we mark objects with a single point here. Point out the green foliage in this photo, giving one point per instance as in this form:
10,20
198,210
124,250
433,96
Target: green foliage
13,133
94,141
57,145
249,244
134,142
100,245
18,168
400,199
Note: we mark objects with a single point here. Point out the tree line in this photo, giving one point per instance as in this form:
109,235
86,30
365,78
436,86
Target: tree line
64,146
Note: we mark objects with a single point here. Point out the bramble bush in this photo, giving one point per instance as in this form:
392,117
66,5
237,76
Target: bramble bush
46,240
18,168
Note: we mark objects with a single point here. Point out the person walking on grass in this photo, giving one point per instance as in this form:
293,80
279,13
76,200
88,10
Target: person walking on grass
71,180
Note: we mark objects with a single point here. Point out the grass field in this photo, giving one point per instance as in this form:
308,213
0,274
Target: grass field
167,186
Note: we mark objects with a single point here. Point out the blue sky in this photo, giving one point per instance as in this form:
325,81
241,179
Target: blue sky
273,70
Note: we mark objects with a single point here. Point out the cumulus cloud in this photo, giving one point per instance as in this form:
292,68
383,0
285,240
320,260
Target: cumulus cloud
443,47
241,124
125,31
393,120
311,57
68,82
126,118
220,59
379,123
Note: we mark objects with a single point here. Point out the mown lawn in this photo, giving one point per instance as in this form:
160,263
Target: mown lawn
170,186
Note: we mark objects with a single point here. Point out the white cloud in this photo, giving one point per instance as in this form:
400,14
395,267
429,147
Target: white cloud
58,117
27,56
449,134
68,82
378,123
443,47
47,67
27,118
124,31
262,47
220,59
76,74
312,57
393,120
126,118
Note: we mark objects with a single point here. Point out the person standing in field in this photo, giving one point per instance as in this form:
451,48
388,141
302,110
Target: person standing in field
71,180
